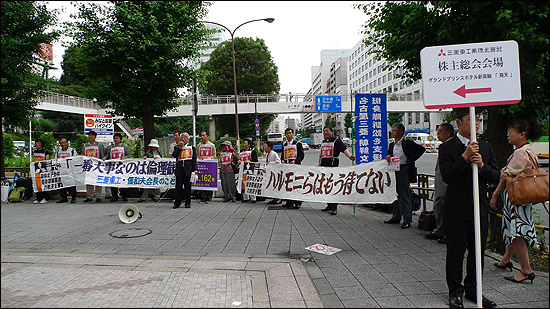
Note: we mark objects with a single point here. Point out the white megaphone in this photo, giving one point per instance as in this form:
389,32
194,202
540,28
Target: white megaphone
129,213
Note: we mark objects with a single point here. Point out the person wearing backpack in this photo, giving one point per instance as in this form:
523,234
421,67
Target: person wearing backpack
66,152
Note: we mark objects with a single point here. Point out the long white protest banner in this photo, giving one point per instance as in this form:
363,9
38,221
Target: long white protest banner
128,173
365,183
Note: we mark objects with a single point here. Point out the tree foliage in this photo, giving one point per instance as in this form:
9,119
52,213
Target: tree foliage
137,54
24,25
398,31
256,74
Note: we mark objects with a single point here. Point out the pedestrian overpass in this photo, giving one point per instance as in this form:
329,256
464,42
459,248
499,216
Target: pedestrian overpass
225,104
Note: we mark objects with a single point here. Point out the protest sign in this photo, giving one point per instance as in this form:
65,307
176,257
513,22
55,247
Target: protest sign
250,178
207,172
365,183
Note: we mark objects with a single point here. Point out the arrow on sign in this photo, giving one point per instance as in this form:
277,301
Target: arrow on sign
462,91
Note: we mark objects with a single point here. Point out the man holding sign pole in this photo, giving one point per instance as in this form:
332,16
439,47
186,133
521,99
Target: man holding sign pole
455,157
460,76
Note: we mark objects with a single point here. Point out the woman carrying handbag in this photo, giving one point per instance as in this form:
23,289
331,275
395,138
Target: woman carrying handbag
517,220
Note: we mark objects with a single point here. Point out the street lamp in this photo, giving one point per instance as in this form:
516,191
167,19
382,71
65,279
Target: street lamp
269,20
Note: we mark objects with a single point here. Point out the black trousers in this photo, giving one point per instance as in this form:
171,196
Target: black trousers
185,192
71,190
42,195
123,192
206,195
461,237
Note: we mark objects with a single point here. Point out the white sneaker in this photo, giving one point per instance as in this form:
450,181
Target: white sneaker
44,201
36,202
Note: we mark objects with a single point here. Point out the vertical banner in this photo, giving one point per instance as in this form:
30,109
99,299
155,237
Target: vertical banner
207,170
102,124
371,127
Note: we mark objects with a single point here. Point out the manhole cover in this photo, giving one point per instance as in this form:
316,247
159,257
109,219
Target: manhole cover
130,233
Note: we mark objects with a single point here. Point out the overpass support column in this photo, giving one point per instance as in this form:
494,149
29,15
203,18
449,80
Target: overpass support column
212,127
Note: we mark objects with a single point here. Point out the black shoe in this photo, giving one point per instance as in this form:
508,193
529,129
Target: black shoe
141,201
297,206
391,221
288,204
334,211
405,225
326,208
114,199
253,201
187,206
442,241
530,276
175,206
63,201
97,200
73,201
431,235
88,200
486,302
507,265
125,199
245,201
455,302
156,199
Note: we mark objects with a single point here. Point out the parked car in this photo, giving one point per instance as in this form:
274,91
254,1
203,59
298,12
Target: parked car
305,146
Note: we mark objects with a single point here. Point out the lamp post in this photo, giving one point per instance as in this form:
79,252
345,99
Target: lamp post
269,20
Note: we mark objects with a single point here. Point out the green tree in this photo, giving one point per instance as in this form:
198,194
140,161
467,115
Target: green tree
7,149
397,32
256,73
24,25
395,118
137,54
348,123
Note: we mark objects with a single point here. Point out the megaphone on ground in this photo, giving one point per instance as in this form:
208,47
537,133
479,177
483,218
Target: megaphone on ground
129,213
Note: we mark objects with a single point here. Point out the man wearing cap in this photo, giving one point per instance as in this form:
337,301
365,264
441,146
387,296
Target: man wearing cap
207,150
153,153
186,164
66,152
95,150
228,158
293,153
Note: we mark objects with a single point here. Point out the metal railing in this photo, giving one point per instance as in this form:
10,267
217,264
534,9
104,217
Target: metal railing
63,99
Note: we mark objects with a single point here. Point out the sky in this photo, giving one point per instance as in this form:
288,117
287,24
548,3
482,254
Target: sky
295,39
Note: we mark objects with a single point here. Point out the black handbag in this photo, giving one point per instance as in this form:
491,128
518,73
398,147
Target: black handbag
426,221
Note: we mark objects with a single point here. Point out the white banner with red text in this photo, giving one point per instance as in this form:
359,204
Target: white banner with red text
367,183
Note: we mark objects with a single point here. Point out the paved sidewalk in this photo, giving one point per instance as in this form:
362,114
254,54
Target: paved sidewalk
228,255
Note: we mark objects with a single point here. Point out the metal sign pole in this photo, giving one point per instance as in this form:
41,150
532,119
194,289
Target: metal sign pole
477,221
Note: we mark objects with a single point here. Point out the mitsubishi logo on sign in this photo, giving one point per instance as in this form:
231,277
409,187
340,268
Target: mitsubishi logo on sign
471,74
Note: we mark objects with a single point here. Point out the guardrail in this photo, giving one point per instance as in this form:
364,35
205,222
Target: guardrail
63,99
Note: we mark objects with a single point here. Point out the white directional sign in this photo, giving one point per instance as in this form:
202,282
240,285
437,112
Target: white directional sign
102,124
476,74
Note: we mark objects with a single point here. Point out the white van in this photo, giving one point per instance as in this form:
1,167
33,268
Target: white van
424,140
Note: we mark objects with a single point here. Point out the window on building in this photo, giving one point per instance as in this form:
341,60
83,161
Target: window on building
379,81
426,117
370,74
379,68
409,118
417,118
389,76
395,87
384,79
370,63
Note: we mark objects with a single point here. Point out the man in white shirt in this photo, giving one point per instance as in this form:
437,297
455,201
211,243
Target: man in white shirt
206,150
96,150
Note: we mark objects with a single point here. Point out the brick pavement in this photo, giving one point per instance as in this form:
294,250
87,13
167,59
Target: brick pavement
61,255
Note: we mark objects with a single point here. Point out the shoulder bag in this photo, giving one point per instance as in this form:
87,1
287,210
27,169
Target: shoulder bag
529,186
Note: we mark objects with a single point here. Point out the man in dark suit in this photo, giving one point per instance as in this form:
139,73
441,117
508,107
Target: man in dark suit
455,157
408,152
186,157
